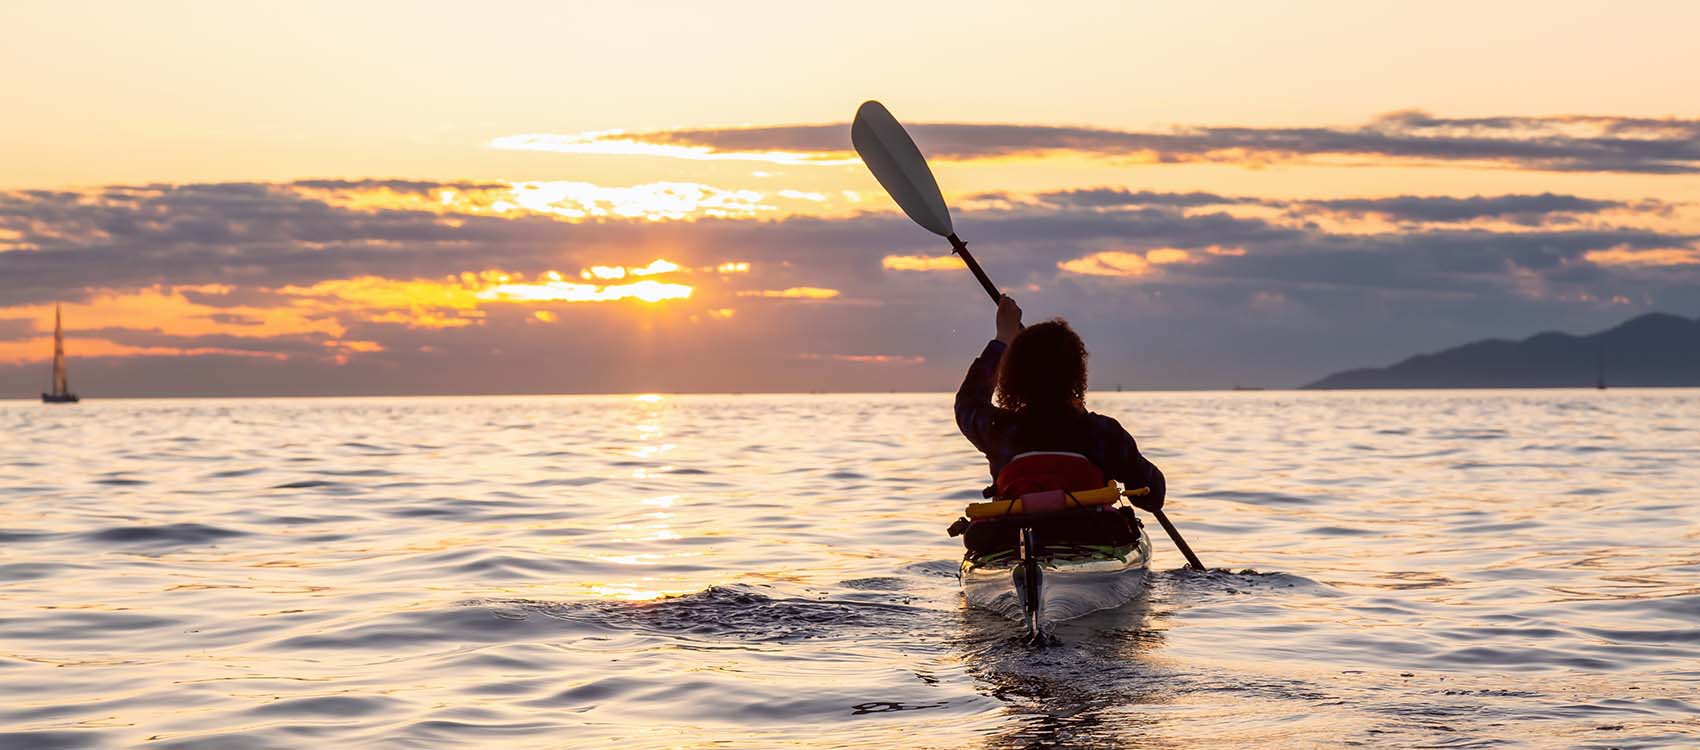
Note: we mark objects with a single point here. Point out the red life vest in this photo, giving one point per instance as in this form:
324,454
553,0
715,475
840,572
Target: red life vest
1039,471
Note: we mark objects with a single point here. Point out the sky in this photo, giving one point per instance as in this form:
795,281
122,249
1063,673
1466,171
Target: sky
332,198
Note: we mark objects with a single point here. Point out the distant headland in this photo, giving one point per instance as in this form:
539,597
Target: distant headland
1655,349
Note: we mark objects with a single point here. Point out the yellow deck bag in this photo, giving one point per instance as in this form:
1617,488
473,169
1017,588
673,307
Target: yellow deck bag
1048,501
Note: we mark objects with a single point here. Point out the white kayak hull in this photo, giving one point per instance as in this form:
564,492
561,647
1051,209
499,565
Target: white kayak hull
1071,585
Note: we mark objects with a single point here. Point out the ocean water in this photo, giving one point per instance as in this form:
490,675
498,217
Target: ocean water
1434,569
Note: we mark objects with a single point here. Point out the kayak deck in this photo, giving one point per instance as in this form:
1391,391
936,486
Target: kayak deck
1075,581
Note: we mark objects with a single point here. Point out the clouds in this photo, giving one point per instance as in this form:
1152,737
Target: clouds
1122,198
1649,257
275,347
17,329
1571,143
1118,263
921,263
1523,209
350,285
1414,212
302,232
226,245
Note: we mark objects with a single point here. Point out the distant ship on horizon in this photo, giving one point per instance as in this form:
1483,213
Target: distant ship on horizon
61,393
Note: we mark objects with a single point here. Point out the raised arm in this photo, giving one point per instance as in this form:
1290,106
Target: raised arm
974,410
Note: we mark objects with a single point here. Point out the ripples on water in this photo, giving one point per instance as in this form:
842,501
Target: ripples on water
1456,569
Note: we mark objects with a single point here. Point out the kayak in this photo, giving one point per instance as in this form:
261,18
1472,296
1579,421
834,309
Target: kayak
1041,583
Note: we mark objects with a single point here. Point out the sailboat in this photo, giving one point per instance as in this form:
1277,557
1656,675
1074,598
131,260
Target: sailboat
61,393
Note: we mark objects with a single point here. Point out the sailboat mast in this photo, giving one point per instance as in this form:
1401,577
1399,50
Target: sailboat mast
60,386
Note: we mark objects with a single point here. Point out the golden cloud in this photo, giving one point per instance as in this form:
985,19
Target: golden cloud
568,200
161,308
41,350
341,349
566,291
321,310
457,301
656,266
619,143
1166,255
1623,255
796,292
603,272
920,263
416,303
1119,263
1127,264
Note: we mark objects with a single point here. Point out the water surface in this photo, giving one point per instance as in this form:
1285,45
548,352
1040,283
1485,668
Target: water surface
1439,569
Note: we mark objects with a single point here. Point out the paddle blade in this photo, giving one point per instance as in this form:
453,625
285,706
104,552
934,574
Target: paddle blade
899,166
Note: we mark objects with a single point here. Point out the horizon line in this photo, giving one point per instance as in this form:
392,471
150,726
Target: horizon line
639,394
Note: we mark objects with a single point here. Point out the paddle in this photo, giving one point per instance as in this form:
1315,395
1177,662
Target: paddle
900,168
1162,518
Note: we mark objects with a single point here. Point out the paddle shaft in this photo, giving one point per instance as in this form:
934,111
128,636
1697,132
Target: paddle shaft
961,248
1175,535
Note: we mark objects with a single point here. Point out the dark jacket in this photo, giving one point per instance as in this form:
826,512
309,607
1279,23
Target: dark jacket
1002,434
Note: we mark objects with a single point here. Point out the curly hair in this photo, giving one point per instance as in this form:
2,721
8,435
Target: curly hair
1044,367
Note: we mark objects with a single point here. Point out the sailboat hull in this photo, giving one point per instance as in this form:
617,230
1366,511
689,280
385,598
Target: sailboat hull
59,398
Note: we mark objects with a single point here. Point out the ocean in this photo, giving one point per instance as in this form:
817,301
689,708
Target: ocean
1454,569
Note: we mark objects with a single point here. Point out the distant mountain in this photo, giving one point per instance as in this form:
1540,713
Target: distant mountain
1652,350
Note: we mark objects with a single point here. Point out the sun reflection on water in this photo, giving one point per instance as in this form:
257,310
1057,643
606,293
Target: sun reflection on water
631,592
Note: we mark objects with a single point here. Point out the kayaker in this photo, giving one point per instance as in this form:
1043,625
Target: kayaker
1040,417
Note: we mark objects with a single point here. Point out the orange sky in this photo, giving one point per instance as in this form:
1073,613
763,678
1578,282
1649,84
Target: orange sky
326,185
103,93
